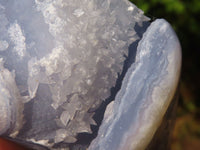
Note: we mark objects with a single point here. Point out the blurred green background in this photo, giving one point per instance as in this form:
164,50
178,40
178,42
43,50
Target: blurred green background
184,16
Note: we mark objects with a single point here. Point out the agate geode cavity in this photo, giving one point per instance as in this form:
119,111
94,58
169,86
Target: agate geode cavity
59,60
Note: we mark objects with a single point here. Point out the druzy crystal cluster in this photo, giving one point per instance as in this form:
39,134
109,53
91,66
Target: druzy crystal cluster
64,57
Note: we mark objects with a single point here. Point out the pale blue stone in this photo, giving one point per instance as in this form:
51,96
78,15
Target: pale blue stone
59,61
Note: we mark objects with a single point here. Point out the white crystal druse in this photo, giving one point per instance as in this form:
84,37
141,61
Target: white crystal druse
73,48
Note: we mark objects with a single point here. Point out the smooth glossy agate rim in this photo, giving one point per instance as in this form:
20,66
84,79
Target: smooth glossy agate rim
148,88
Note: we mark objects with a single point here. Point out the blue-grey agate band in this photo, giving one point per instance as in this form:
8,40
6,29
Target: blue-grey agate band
131,120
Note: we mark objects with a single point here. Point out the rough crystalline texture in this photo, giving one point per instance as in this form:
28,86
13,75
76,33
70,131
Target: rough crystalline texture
59,60
9,100
147,90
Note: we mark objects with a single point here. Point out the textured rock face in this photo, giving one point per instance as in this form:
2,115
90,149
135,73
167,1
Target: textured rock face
62,58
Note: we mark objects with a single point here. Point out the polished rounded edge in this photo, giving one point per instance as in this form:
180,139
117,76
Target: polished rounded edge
159,46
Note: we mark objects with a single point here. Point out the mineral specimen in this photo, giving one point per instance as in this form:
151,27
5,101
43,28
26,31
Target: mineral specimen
59,61
148,87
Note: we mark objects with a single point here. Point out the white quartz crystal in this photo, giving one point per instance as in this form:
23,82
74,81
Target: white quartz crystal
18,39
3,45
73,48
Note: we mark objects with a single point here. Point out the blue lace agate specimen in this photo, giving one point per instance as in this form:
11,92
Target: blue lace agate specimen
59,61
